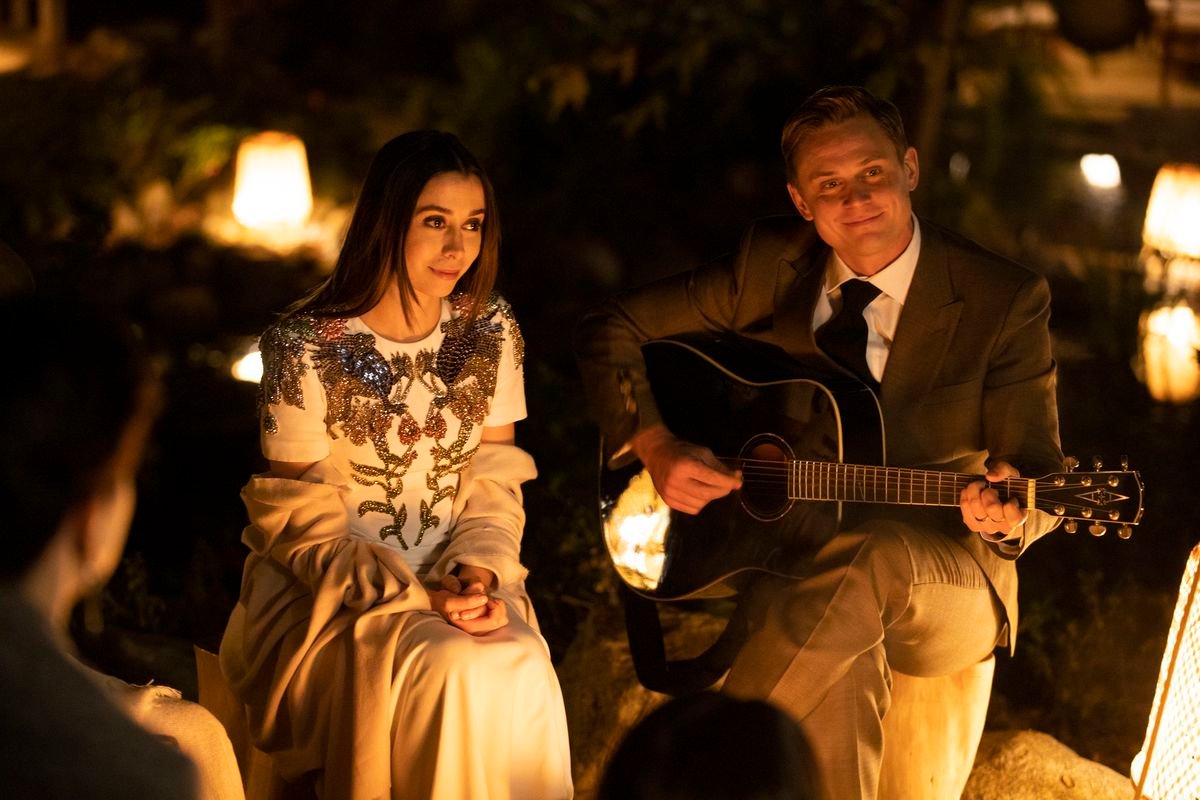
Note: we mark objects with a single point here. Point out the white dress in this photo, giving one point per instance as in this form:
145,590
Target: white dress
474,716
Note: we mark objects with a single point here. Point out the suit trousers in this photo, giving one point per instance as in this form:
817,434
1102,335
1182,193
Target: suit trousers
883,595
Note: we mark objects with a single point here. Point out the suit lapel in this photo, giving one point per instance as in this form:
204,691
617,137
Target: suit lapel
923,334
927,325
799,281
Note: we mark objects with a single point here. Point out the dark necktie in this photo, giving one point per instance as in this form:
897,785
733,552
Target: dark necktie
844,336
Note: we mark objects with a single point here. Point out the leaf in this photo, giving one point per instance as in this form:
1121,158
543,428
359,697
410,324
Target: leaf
621,61
367,469
652,109
393,530
369,506
568,85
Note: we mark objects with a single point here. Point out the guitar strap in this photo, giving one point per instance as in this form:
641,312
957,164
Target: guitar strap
686,676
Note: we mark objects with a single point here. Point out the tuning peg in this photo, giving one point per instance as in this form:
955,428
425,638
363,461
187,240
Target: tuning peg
1125,463
1097,463
1070,526
1096,529
1124,531
1070,462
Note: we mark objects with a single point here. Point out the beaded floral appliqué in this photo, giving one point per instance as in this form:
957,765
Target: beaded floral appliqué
367,396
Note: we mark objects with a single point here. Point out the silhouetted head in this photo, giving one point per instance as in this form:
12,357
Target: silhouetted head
712,746
78,403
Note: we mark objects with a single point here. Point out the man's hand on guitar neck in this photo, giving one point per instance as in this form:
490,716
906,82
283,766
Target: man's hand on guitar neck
687,476
985,513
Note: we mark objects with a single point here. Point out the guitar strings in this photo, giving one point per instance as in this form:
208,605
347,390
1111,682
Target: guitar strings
814,475
825,478
817,467
820,474
831,470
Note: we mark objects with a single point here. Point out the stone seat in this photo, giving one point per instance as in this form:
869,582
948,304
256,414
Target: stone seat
259,777
192,728
931,733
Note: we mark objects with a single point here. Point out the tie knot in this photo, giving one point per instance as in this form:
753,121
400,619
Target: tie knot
857,295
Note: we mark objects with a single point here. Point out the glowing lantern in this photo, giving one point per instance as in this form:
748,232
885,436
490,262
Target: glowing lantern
1173,213
1168,765
272,190
1171,259
1170,339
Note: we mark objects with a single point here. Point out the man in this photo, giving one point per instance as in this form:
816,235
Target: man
74,417
957,348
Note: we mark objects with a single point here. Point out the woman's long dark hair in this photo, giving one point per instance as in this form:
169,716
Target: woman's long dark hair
373,253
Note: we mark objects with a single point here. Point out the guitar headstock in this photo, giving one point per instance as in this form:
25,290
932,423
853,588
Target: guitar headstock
1100,497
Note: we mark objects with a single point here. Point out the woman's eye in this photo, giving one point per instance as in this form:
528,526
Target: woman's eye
435,222
474,225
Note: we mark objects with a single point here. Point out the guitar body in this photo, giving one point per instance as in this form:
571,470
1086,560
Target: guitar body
771,411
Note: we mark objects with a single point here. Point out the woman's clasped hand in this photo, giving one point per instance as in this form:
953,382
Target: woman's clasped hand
466,605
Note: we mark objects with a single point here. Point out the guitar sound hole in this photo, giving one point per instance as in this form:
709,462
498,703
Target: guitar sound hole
764,462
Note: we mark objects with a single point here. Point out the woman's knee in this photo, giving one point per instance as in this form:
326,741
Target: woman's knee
498,654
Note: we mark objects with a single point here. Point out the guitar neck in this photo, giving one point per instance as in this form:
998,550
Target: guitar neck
857,483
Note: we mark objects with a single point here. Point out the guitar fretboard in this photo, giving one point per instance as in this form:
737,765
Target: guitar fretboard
821,480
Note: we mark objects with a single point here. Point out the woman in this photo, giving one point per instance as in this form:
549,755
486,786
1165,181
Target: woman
383,643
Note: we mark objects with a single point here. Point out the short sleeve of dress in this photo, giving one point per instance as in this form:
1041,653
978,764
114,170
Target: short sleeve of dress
508,404
292,399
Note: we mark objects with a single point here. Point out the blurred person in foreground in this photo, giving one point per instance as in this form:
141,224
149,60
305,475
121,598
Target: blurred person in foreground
75,414
953,344
711,745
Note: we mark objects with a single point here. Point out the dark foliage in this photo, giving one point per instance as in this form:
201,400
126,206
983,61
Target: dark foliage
626,140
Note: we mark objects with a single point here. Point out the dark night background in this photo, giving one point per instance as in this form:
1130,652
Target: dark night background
627,140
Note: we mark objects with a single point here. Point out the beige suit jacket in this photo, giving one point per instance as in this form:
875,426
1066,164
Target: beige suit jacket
970,378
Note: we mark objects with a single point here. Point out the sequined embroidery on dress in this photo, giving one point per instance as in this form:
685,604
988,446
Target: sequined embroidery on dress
367,393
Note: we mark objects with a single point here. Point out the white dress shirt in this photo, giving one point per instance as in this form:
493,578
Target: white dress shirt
883,313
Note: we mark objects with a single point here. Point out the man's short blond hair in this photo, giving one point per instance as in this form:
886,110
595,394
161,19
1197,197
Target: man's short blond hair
831,106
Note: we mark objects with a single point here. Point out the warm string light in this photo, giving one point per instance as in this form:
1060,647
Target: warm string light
1100,170
248,367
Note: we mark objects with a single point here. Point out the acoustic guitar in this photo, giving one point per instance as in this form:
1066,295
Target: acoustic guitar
806,444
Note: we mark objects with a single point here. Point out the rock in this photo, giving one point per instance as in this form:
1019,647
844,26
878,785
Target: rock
1028,765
